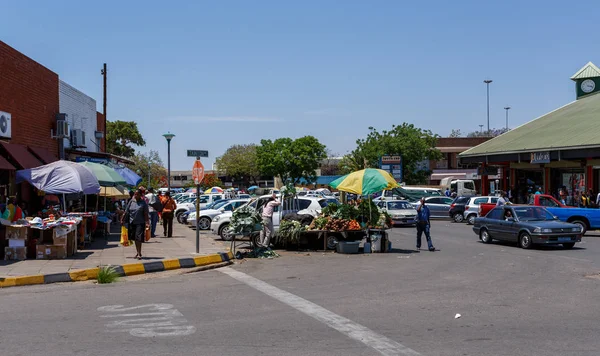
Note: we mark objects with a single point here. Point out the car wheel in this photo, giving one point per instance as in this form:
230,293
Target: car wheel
458,217
331,242
485,237
204,223
568,246
471,219
525,240
225,233
582,224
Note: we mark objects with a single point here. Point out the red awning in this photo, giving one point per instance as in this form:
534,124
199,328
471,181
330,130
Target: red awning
21,155
43,154
5,165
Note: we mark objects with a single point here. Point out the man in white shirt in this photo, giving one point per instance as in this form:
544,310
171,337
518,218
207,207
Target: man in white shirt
267,220
151,200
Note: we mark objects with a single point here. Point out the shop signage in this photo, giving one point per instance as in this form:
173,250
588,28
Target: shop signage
91,159
393,165
540,157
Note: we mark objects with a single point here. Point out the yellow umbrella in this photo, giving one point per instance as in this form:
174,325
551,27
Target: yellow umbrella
114,192
365,182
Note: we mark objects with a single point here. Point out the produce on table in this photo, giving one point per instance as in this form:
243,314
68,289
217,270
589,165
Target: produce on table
289,231
244,220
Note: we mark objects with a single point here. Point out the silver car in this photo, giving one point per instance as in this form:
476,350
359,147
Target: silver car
438,206
401,211
472,207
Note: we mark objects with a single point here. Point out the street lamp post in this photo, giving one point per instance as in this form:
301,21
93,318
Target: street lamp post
481,129
169,136
487,82
507,108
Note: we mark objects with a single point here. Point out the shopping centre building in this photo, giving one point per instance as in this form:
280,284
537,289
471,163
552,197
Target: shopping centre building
558,149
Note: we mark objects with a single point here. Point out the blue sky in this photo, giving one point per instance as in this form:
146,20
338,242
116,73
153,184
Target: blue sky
233,72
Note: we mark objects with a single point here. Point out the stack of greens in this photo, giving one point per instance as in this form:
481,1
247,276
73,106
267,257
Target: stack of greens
289,232
244,220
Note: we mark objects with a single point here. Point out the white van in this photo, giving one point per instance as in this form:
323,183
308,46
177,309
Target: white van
462,187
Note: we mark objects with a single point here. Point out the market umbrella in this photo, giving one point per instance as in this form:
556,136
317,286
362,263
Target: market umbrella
117,192
365,182
131,178
61,177
254,187
214,190
107,177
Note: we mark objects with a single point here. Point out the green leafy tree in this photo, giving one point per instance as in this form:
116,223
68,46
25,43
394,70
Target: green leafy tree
120,135
291,159
490,133
211,180
455,133
149,162
412,143
240,161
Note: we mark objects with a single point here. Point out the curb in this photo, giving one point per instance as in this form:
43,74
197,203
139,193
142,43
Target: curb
122,270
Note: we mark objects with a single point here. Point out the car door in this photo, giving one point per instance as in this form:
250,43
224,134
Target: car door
510,228
492,222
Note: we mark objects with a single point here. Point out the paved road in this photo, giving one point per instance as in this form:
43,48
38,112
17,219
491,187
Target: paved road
512,302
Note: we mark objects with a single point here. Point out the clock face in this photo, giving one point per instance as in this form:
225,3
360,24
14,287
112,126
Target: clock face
588,85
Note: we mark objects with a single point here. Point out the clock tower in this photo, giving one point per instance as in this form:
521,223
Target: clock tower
587,80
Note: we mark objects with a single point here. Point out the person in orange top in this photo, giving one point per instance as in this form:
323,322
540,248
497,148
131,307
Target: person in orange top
169,207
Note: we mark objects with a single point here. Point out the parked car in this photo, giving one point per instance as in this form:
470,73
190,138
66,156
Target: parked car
472,207
457,209
438,206
183,217
527,225
586,218
401,211
207,215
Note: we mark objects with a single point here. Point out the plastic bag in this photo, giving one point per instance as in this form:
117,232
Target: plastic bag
125,237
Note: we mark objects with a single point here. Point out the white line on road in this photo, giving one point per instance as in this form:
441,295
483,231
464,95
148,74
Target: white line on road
162,320
382,344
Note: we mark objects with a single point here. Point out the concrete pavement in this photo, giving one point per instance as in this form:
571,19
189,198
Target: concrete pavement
512,301
105,252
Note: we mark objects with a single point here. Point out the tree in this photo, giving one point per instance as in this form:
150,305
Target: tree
413,144
455,133
149,162
240,161
120,135
210,180
490,133
291,160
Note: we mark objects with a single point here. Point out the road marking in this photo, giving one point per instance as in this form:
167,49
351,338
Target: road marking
380,343
160,320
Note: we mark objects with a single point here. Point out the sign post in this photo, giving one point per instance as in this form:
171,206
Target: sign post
198,175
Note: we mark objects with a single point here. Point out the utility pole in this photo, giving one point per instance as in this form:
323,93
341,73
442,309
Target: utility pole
487,82
103,72
507,108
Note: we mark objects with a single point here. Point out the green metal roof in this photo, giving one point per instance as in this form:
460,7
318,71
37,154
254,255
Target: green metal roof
575,125
588,71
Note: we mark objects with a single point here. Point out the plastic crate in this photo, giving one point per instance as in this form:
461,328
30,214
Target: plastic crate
348,246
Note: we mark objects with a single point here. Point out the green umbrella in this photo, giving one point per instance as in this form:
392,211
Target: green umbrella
364,182
107,177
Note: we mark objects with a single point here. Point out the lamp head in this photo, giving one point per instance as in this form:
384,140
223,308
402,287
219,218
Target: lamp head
169,136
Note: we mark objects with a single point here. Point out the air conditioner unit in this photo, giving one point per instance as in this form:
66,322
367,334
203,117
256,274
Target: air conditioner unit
5,131
78,138
62,129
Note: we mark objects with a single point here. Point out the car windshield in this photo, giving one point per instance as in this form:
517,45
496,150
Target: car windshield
533,213
219,204
398,205
324,202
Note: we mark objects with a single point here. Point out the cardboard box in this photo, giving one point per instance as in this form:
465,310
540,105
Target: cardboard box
43,252
58,252
16,232
16,243
60,240
15,253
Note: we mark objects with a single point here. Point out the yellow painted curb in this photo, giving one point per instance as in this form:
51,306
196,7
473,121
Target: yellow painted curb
171,264
7,282
84,274
133,269
28,280
206,260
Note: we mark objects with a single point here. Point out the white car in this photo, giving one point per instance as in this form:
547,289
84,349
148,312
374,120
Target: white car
401,211
189,204
206,216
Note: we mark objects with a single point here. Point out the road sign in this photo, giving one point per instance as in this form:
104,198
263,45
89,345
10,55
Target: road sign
198,172
197,153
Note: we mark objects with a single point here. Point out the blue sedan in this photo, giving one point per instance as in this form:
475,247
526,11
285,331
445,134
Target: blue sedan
526,225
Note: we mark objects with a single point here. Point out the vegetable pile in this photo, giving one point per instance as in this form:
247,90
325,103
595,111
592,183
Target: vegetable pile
244,220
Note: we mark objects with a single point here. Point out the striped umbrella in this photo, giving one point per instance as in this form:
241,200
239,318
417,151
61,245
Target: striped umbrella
214,190
365,182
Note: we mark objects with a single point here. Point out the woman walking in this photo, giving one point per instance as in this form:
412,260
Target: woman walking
138,217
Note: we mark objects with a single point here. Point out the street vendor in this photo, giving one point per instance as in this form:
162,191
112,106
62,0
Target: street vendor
267,220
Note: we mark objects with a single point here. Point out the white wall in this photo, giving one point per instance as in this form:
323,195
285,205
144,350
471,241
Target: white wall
81,113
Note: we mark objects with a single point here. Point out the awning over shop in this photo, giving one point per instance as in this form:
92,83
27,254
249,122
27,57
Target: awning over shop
453,149
21,155
5,165
43,154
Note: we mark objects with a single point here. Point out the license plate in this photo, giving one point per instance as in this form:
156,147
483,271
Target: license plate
564,239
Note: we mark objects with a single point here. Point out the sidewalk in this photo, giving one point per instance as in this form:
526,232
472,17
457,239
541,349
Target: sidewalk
109,252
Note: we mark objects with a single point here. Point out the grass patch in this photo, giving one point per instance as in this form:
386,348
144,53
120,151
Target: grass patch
107,275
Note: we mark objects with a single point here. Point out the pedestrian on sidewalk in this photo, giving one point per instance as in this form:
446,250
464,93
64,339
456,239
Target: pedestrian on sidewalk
153,202
267,220
169,207
423,225
139,221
